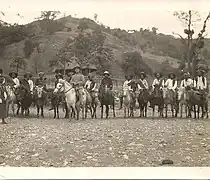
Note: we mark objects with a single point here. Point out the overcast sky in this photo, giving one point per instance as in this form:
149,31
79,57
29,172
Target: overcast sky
124,14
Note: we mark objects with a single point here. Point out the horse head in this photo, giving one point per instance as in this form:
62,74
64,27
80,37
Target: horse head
20,93
39,91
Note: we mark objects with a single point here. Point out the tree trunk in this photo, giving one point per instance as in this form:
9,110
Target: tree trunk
189,43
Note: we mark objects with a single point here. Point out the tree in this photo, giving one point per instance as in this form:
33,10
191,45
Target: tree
48,21
82,25
134,64
192,46
18,63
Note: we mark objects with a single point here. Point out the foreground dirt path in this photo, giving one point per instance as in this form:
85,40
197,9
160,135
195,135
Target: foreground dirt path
112,142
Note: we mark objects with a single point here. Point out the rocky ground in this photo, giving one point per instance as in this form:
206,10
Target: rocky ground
105,142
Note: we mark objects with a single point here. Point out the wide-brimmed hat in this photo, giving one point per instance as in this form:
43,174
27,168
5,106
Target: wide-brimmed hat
41,73
156,73
59,75
77,66
27,74
142,73
106,72
172,74
11,73
186,73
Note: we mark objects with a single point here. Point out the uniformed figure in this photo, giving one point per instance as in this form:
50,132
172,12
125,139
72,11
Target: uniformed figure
16,81
158,81
78,81
142,83
106,81
41,81
90,84
200,82
3,98
187,82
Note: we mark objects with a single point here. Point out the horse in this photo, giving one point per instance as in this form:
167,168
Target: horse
196,98
39,98
69,92
95,102
143,99
11,100
128,104
88,102
24,100
182,99
156,99
106,98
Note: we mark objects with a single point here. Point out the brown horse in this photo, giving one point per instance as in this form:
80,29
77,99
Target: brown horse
143,99
106,98
156,99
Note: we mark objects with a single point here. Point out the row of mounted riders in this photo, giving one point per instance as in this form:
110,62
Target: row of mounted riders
192,94
133,92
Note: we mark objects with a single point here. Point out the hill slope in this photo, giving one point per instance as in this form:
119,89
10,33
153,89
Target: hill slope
155,49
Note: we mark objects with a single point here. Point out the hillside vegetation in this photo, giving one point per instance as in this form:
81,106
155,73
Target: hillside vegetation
43,44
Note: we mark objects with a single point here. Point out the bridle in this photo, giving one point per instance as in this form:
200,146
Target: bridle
64,88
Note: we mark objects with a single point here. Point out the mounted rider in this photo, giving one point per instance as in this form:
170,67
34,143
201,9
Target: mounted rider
26,83
187,82
69,75
126,84
142,83
158,81
41,80
200,83
106,81
90,84
16,81
78,81
171,84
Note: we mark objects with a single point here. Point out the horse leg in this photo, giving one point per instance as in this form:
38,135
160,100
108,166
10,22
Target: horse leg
207,110
107,111
113,108
194,107
181,109
153,111
102,110
42,111
57,111
67,111
172,110
37,111
145,110
166,111
54,108
125,111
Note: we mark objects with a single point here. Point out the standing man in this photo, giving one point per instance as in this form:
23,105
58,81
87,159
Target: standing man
78,81
3,98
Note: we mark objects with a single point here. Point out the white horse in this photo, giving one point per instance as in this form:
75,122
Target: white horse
70,94
11,99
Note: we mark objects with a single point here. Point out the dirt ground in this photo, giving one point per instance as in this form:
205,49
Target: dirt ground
104,142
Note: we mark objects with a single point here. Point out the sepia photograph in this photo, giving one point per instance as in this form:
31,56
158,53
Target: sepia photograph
86,83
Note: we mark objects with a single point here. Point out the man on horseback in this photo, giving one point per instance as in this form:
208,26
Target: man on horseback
78,81
70,74
3,98
200,82
106,81
16,81
41,80
142,83
126,84
90,84
25,83
158,81
187,82
171,84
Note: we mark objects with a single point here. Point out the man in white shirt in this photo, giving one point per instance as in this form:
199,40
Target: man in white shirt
200,82
30,82
90,84
143,84
187,82
126,85
16,81
171,82
158,81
